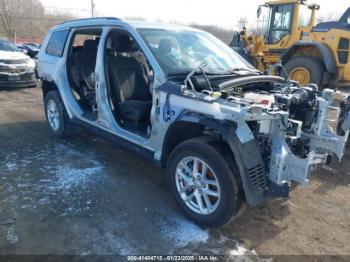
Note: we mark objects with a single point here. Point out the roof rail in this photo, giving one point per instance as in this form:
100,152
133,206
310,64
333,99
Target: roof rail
94,18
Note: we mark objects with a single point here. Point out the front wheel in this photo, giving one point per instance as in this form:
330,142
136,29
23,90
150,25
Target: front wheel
204,181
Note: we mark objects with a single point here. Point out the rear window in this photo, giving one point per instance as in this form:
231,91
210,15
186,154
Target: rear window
57,42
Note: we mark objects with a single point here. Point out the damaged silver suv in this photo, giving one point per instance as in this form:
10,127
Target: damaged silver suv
182,98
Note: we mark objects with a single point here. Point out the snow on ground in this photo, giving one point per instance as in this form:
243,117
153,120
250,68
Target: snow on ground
69,177
56,175
11,235
68,188
11,166
184,232
236,250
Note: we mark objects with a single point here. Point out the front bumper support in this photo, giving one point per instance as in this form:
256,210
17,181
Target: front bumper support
285,166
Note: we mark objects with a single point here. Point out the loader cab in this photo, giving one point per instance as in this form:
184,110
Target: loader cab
286,20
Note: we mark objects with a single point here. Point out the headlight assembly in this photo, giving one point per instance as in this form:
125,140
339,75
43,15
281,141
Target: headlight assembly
31,64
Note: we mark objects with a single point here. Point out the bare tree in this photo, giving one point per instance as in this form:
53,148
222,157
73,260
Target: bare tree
8,17
27,20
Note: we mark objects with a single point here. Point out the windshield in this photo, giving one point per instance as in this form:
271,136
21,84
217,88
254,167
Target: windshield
281,22
7,46
179,51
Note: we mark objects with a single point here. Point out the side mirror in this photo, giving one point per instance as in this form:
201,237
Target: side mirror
258,12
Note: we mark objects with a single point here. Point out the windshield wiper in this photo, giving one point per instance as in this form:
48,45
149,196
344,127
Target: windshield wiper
200,68
235,70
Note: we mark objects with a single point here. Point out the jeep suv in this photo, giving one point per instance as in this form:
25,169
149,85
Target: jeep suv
179,96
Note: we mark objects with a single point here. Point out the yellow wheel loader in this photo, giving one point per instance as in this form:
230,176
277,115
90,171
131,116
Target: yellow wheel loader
310,53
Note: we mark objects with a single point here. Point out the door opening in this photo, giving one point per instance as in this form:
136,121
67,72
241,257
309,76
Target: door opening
81,68
128,78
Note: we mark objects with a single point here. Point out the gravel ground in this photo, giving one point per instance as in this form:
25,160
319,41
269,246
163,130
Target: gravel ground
84,196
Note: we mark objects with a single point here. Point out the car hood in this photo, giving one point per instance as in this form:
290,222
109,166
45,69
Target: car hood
7,55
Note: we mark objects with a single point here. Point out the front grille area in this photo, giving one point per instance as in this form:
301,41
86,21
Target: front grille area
27,76
13,62
22,77
12,70
258,177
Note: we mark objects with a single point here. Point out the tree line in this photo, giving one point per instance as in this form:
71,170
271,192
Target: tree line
27,19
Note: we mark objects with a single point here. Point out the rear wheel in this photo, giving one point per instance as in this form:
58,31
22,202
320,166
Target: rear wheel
305,70
204,182
56,115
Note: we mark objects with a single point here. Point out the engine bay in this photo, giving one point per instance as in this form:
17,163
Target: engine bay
269,92
303,111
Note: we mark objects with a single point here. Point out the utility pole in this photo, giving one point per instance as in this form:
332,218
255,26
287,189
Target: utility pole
92,8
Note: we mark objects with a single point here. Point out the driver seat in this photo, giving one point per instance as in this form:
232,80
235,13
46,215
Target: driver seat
128,85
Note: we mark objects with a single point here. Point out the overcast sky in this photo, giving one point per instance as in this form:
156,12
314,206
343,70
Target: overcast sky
223,13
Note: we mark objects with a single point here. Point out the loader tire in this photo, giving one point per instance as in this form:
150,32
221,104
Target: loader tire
305,70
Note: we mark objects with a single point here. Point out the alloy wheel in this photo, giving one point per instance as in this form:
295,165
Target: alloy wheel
197,185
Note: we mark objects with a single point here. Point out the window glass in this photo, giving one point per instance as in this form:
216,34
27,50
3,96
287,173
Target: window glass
282,21
57,42
156,42
80,39
304,16
181,51
263,21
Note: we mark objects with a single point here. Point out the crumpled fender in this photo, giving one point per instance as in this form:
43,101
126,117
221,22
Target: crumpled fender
247,156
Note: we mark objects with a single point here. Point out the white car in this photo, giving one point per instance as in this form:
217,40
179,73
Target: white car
16,68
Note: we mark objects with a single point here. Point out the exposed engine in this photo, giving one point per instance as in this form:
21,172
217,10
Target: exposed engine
272,93
303,113
300,102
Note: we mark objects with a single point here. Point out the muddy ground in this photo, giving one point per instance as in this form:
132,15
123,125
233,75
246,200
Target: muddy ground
83,195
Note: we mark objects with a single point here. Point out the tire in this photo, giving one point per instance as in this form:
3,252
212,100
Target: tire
220,165
314,67
62,126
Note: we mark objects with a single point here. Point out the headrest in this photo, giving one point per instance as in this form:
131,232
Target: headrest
122,44
164,46
90,44
134,46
